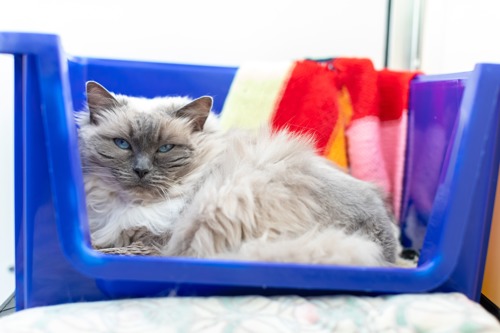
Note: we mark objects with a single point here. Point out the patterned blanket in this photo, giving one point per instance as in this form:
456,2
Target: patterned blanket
403,313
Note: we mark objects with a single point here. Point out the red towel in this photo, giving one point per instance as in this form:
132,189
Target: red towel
309,102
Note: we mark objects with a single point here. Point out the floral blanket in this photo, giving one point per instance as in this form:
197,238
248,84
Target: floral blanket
402,313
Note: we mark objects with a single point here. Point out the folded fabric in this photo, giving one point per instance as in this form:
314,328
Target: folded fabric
357,115
254,92
377,132
300,96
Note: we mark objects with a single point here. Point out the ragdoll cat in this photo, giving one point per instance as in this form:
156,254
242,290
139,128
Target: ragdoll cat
160,171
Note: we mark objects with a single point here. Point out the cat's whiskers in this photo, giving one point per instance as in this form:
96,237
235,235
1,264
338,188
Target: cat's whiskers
163,192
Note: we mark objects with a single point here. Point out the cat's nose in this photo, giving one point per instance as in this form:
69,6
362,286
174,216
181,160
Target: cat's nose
142,165
141,172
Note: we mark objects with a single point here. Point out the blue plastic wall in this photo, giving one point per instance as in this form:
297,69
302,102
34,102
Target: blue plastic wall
433,114
149,79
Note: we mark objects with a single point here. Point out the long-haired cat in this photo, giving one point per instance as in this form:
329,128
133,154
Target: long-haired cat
160,171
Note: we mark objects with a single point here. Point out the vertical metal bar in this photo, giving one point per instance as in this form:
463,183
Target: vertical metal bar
415,35
403,34
388,33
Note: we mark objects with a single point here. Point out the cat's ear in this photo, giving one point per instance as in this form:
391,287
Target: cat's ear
197,111
98,100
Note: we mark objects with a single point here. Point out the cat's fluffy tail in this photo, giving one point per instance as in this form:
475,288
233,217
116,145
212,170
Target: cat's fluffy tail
329,246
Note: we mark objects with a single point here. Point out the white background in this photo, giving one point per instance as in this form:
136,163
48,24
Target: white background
457,34
217,32
454,35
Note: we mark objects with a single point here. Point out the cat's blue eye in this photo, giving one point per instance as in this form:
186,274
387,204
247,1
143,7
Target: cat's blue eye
165,148
122,143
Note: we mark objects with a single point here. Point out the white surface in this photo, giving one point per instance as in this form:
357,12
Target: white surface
6,177
219,32
459,33
209,32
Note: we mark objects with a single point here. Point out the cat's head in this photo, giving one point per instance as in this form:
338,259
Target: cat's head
140,146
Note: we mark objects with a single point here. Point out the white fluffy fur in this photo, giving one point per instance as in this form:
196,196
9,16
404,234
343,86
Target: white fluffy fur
111,214
258,204
330,246
265,196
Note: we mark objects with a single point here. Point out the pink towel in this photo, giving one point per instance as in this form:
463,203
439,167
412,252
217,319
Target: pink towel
376,135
